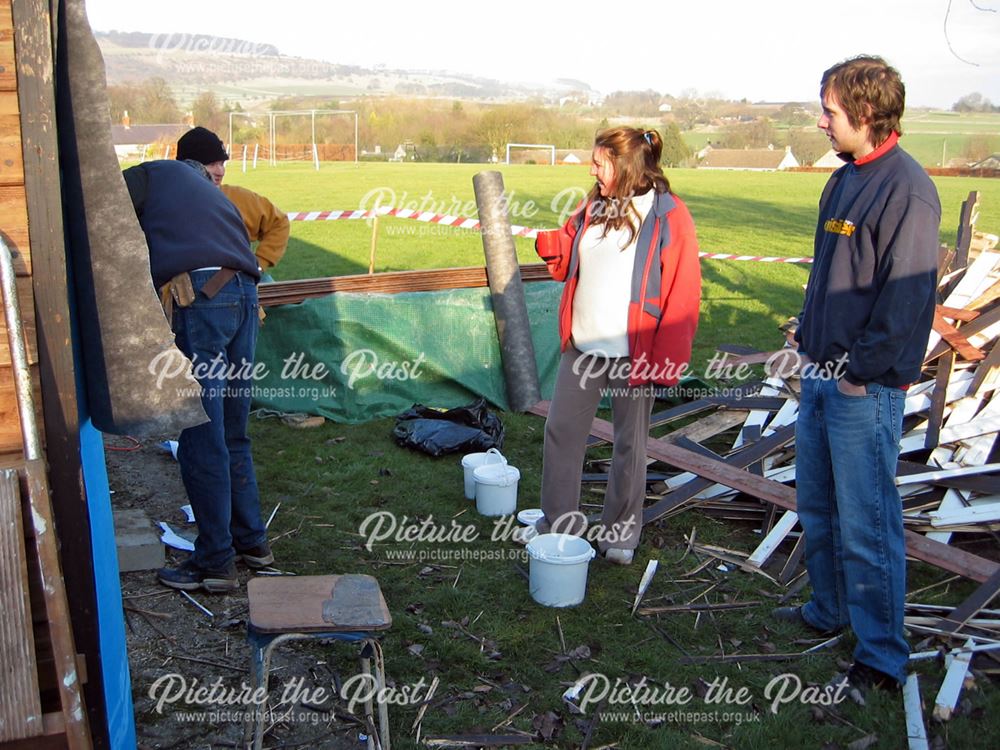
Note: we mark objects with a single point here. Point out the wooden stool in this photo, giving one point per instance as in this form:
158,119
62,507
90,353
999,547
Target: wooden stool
341,607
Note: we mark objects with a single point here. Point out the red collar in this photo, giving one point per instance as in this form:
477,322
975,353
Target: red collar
887,144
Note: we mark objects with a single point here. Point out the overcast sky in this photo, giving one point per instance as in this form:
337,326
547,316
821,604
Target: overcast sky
772,50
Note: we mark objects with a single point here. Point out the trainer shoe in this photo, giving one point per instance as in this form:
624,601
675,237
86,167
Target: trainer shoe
188,576
794,616
619,556
256,557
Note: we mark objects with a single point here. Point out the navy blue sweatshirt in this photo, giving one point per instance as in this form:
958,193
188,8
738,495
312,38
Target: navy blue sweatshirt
872,289
188,222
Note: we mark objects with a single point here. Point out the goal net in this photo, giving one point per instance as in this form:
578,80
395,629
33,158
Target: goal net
531,153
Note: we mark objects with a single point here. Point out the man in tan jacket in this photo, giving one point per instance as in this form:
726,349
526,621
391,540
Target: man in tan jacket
266,224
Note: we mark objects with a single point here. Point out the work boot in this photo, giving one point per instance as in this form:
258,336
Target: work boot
859,680
189,576
794,615
256,557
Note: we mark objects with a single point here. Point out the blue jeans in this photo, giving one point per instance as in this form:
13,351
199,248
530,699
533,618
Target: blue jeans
220,335
850,510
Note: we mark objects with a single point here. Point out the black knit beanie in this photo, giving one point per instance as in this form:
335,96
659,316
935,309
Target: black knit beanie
201,144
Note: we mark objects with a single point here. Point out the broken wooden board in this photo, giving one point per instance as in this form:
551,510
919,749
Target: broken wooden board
952,559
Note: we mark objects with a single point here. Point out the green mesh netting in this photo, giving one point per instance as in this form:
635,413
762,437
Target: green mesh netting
355,357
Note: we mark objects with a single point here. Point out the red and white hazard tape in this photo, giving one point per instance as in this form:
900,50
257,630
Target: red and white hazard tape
517,231
407,213
756,258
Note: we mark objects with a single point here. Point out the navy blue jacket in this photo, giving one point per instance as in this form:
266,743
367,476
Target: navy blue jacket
872,288
188,222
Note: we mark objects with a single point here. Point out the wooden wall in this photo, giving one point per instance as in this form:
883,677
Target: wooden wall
14,229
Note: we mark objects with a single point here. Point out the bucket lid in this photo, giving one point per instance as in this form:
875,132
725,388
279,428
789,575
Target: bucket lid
496,475
492,456
529,516
560,549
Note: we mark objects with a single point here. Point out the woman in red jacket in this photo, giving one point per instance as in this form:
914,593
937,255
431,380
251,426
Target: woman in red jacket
628,314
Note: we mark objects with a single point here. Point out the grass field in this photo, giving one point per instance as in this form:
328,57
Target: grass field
928,136
470,622
748,213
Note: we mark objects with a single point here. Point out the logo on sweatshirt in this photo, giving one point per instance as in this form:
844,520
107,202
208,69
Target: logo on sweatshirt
845,227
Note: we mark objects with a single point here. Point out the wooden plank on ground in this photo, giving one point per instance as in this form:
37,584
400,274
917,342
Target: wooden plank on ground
965,611
740,460
916,732
20,704
708,427
952,559
776,536
951,688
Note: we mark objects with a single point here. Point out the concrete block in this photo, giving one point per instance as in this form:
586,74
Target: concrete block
139,545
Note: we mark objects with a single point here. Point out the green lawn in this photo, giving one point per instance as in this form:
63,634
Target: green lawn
471,623
748,213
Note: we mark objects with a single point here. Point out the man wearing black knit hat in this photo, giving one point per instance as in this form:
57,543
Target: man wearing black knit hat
265,223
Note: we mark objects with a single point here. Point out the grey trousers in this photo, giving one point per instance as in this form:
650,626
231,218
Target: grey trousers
574,405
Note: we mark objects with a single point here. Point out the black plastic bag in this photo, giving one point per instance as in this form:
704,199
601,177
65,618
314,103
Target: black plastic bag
468,429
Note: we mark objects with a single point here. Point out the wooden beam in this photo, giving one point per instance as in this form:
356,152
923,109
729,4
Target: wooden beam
291,292
958,313
36,80
952,559
956,340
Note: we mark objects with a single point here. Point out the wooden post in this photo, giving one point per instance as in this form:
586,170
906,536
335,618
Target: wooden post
371,257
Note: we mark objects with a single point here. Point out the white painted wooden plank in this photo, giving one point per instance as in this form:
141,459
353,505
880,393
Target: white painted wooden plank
786,415
920,400
963,516
759,417
916,732
774,538
951,688
953,500
946,473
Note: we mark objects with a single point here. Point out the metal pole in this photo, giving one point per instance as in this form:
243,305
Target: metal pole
355,139
19,355
509,308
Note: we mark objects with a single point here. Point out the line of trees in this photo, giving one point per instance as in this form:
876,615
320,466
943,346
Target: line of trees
457,130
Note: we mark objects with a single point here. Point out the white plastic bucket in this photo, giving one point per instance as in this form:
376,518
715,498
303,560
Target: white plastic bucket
558,569
496,489
472,461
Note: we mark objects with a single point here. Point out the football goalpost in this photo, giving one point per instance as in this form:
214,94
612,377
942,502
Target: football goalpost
272,133
547,146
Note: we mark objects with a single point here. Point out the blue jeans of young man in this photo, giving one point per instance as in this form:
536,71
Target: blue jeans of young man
220,335
846,452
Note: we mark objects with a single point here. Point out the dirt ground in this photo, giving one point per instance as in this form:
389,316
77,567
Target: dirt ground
174,648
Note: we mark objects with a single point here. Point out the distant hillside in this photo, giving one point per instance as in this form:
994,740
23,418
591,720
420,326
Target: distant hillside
238,69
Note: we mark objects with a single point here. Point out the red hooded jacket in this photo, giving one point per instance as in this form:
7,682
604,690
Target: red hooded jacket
666,287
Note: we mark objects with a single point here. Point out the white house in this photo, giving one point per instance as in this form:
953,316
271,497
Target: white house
751,159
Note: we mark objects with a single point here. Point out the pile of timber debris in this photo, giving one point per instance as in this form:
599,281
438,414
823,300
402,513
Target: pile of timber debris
949,487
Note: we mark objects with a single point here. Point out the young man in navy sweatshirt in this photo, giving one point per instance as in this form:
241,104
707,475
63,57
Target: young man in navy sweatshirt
862,337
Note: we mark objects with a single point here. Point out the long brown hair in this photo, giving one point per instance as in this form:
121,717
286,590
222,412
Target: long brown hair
635,155
867,88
